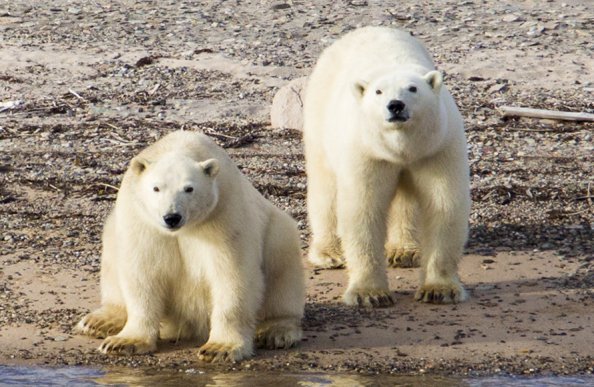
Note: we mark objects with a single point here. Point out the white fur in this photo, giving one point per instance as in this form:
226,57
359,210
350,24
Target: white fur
371,182
231,273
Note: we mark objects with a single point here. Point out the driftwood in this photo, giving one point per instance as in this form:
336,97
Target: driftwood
511,111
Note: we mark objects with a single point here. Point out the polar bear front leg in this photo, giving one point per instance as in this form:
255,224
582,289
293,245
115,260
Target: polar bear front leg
445,206
143,296
139,335
364,195
237,289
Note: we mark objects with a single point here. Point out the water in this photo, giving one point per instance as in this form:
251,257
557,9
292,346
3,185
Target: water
79,376
39,376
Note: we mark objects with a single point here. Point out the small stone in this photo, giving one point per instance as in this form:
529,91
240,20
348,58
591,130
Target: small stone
536,30
498,88
512,18
280,6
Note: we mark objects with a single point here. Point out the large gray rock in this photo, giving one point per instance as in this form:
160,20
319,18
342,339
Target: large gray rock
287,105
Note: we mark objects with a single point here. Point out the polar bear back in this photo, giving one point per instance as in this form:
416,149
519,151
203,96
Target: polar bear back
372,48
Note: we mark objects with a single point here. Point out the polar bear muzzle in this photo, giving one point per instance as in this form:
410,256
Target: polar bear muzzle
398,111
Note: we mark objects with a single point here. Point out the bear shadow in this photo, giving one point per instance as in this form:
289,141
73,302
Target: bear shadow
568,240
519,303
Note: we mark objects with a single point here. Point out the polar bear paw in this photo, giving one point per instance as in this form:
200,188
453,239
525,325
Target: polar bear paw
441,294
222,352
404,257
327,261
126,345
377,298
101,323
276,334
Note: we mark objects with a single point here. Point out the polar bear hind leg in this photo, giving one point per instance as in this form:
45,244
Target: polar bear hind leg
111,317
325,251
402,247
285,287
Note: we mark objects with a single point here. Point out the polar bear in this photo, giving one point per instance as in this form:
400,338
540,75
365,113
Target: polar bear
387,166
191,249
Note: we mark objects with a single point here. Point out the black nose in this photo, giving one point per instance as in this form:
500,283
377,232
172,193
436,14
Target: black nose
172,220
395,106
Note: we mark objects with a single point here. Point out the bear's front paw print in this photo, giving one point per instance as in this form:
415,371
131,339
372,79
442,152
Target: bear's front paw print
126,345
452,293
376,298
221,352
404,257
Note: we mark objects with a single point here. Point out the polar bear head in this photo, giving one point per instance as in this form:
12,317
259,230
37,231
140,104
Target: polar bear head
175,190
399,99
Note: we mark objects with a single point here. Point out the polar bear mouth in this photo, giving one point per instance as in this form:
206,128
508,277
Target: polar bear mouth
399,117
172,229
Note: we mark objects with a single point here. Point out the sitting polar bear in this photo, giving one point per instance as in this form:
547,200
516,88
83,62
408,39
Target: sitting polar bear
386,157
191,249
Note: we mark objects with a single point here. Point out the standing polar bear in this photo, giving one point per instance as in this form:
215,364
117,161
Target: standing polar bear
191,249
387,166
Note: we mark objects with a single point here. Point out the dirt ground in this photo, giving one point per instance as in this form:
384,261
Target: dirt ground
85,85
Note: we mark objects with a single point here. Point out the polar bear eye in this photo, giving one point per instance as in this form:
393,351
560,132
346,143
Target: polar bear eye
156,189
189,189
378,92
412,89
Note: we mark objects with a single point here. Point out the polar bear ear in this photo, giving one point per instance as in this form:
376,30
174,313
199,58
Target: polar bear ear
210,167
139,164
434,79
359,88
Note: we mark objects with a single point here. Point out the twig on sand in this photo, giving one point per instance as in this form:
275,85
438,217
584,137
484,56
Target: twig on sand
112,126
219,135
109,186
74,93
579,212
512,111
117,138
154,89
232,141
